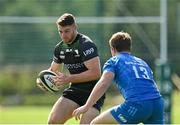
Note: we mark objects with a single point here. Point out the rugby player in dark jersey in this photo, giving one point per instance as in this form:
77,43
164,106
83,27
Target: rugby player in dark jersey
78,54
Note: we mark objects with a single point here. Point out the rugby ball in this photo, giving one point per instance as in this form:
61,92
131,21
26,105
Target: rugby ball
45,77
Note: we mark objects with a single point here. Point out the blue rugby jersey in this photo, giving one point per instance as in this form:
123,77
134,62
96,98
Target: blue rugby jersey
133,77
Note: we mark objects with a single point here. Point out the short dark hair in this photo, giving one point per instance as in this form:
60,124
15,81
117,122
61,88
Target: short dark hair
65,20
121,41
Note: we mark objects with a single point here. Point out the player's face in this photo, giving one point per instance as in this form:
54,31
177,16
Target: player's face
67,33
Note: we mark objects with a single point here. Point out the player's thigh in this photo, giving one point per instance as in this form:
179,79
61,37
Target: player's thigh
62,109
89,116
104,118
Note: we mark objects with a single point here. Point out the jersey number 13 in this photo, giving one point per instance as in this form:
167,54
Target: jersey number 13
141,72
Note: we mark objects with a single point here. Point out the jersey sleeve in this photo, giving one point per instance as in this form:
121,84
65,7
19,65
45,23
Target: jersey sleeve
56,55
89,50
109,66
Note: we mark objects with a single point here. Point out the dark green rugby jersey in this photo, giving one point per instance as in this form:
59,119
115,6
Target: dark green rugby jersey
74,55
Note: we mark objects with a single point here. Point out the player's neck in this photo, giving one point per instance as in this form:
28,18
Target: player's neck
128,52
75,35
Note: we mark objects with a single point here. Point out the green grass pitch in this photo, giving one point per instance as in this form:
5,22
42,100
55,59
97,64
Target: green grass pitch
39,114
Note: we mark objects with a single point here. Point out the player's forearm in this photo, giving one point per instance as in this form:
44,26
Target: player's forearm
93,72
100,88
55,67
98,91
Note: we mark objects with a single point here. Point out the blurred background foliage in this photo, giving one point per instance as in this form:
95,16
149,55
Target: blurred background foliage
27,48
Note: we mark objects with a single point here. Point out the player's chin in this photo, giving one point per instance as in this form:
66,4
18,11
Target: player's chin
66,40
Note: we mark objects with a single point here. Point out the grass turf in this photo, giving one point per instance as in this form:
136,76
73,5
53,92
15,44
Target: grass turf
39,114
26,115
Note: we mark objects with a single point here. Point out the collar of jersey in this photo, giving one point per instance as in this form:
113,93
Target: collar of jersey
124,52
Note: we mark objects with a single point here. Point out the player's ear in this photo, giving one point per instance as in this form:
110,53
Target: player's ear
113,51
75,26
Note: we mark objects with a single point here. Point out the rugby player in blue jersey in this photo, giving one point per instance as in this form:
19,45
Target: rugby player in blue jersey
134,79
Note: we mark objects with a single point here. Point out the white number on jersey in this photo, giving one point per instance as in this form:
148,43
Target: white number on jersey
141,72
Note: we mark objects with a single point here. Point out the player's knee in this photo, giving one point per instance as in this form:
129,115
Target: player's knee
94,121
53,119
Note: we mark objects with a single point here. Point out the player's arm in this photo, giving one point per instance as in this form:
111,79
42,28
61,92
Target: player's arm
56,64
93,72
99,89
56,67
91,61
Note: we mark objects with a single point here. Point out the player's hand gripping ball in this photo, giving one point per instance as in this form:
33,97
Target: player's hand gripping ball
45,81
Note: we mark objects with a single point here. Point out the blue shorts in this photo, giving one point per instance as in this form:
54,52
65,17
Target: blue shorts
147,112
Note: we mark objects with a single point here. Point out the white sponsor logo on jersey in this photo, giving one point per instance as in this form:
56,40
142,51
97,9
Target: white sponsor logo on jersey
88,52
